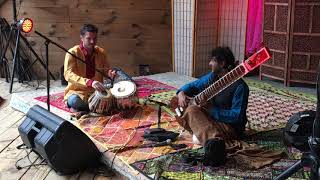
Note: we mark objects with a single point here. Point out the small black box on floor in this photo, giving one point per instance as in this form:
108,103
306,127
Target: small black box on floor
65,147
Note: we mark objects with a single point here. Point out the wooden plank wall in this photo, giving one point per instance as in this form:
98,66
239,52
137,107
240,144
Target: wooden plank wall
132,31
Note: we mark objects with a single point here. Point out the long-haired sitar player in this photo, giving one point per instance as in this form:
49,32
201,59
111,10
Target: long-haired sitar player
213,109
224,115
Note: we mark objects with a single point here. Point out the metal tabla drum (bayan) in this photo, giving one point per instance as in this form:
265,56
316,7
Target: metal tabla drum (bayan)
125,94
101,102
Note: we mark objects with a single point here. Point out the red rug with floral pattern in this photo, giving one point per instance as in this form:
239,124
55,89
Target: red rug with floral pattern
122,132
145,87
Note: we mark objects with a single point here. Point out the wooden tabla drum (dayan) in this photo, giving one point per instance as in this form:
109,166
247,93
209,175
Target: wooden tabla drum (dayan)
101,102
125,94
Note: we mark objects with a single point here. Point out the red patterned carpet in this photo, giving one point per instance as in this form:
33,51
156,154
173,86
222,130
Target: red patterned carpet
266,111
145,87
125,129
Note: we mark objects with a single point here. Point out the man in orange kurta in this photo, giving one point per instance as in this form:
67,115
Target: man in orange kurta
82,78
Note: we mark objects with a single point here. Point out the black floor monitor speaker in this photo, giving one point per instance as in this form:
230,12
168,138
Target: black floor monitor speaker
298,129
65,147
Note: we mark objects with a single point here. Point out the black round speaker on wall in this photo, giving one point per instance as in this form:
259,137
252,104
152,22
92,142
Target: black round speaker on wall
299,129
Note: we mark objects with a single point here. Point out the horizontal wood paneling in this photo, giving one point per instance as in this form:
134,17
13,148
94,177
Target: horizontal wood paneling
132,32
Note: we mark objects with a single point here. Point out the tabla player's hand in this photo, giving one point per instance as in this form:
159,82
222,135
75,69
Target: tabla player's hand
98,86
183,99
112,73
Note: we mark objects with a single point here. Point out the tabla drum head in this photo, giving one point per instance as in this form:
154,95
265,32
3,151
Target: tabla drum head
123,89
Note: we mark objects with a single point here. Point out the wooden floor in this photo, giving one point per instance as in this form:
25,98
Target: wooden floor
10,119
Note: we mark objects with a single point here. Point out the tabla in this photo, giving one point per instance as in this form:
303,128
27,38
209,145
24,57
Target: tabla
125,94
101,102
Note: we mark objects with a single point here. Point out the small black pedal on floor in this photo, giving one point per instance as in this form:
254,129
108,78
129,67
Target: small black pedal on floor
154,131
159,135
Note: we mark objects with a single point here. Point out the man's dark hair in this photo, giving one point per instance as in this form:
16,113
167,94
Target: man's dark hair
224,54
88,28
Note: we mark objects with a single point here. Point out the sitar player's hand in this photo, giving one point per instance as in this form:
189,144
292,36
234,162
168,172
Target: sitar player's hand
183,99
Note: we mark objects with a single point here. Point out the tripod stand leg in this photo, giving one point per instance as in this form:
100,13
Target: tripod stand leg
5,50
7,71
37,58
315,167
287,173
14,59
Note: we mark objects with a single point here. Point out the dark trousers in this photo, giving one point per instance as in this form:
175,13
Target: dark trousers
75,102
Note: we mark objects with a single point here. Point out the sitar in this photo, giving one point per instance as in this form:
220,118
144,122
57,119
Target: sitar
225,81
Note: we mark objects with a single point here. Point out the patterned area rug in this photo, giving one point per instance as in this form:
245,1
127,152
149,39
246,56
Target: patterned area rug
267,110
145,87
122,132
280,91
56,100
174,166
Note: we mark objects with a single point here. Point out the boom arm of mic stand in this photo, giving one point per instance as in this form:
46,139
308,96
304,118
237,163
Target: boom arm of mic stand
5,50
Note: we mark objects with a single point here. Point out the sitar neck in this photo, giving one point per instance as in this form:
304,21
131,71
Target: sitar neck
246,66
220,84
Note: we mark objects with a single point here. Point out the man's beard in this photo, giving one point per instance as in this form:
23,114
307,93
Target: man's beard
217,70
89,47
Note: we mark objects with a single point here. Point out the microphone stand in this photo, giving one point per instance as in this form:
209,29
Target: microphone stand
47,42
158,129
15,57
309,159
48,79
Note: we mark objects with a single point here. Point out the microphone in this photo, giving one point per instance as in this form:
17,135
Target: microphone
148,101
163,143
110,84
169,142
112,80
